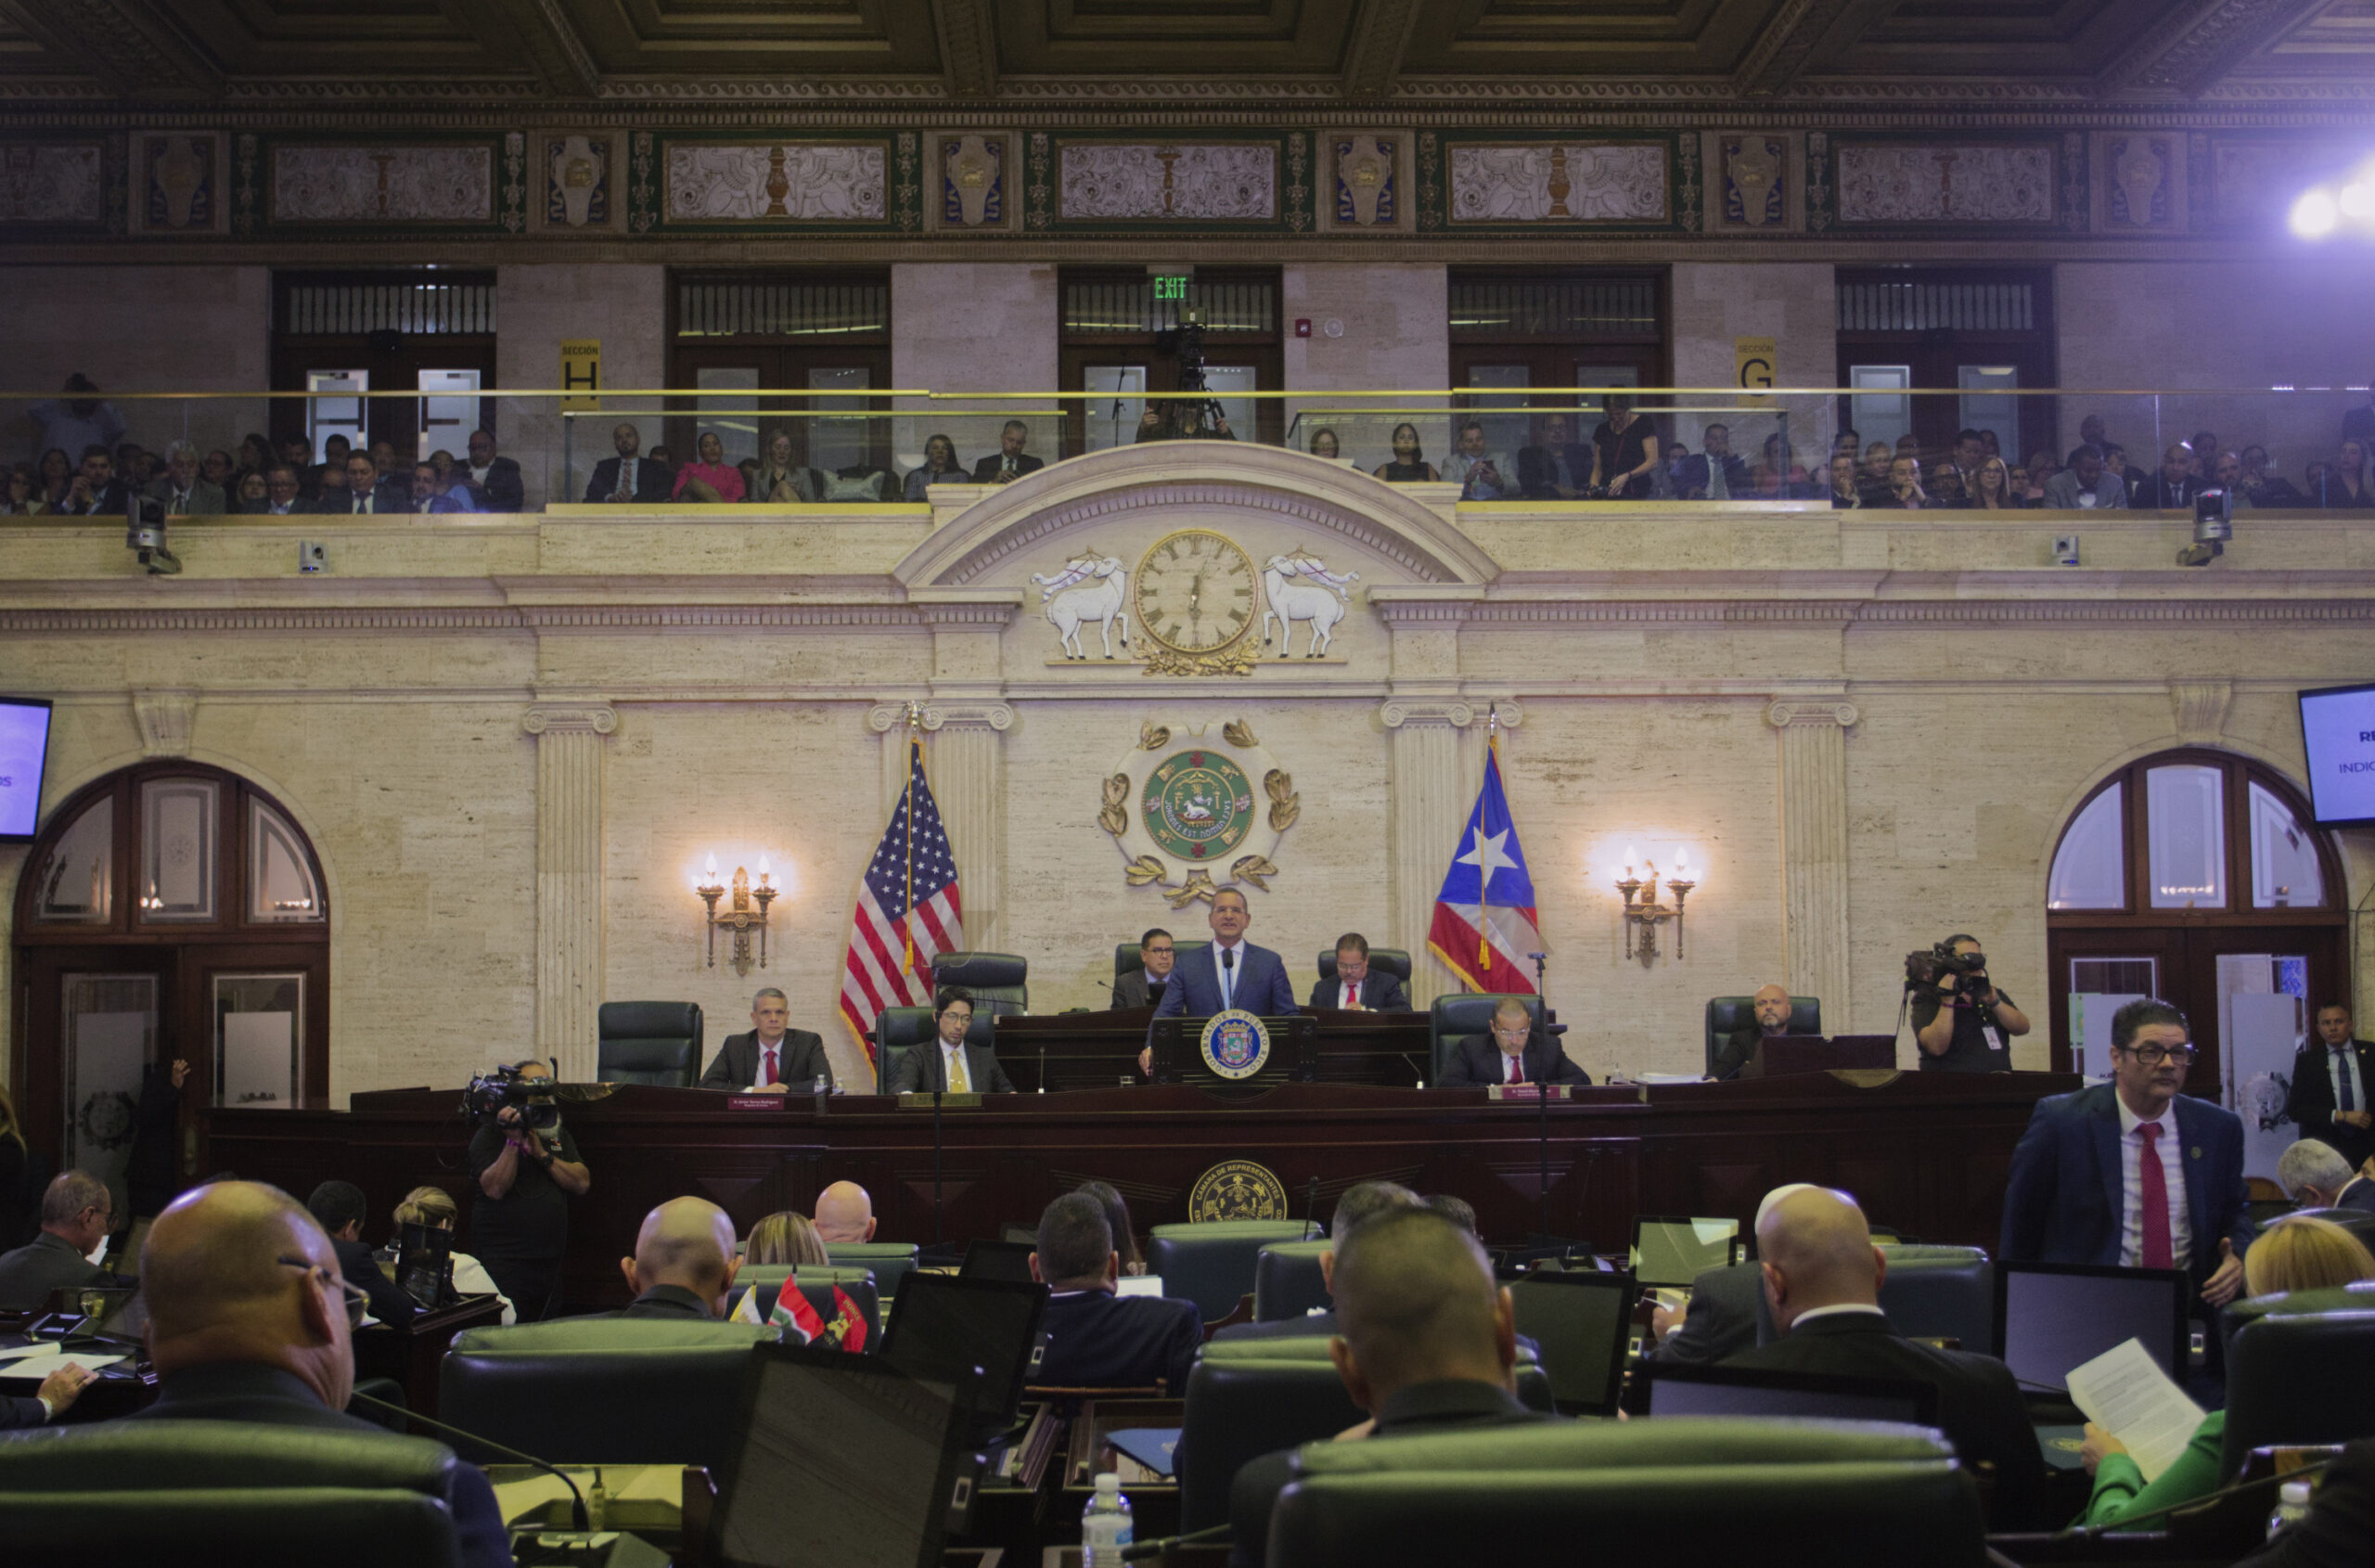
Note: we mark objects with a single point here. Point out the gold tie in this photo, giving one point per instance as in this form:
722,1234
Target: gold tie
958,1082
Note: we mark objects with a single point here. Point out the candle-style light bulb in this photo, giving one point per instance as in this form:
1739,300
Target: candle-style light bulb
1682,863
710,868
762,870
1628,860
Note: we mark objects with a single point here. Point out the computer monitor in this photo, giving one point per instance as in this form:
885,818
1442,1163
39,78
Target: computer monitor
24,762
1743,1391
998,1259
2051,1317
1675,1251
1139,1285
844,1459
945,1329
1582,1323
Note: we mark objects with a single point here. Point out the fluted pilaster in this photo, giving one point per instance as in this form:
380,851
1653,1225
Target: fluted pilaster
1813,787
966,758
1432,784
570,739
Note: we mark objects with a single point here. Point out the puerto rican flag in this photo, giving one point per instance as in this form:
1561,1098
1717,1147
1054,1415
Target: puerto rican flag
1485,919
908,911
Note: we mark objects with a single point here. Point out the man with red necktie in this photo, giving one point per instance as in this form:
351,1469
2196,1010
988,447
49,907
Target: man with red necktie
1516,1051
773,1057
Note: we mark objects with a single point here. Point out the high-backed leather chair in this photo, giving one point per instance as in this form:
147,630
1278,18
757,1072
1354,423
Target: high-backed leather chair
1126,957
889,1262
817,1285
202,1491
1250,1397
1385,960
603,1389
2292,1378
649,1043
1941,1292
2357,1296
1453,1017
900,1030
1725,1014
2358,1222
1213,1263
1682,1490
999,980
1287,1281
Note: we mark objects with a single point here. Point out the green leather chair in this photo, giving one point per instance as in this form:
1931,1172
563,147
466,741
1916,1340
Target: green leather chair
900,1030
817,1284
1725,1014
1128,958
1454,1018
603,1389
2298,1376
649,1043
1000,981
1213,1263
1287,1281
1385,960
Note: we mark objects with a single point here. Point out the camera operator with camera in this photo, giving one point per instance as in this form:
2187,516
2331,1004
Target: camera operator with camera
527,1168
1960,1021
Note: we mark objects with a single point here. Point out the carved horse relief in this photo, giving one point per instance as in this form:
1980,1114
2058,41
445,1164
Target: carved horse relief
1300,587
1089,588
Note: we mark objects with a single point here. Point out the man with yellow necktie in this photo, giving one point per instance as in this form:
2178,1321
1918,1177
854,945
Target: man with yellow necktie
954,1067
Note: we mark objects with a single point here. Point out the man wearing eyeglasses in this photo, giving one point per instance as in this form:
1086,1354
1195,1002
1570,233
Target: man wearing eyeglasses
2132,1174
249,1321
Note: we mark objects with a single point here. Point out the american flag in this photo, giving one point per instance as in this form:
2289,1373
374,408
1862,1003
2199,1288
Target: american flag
909,893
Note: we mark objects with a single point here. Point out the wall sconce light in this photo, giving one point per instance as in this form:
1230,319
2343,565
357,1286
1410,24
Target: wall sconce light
1644,912
739,917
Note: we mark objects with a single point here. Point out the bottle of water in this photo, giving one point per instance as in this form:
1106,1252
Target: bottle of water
2292,1503
1105,1525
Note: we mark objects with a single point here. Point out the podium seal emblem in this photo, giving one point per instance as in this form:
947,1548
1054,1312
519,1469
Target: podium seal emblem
1237,1189
1235,1044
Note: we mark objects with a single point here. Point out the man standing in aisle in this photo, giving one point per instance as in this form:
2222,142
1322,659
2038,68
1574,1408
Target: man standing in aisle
519,1226
2330,1079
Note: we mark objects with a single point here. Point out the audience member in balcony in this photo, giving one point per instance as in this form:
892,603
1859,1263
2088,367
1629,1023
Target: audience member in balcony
2343,485
2174,486
1990,444
1715,474
497,479
1872,473
76,420
2090,433
1557,467
1905,485
364,491
1846,495
443,461
1970,448
253,493
330,472
283,493
2115,459
1482,475
216,469
255,454
23,498
1009,462
776,479
1992,487
183,493
53,474
2266,489
2203,450
94,490
134,465
1946,487
2085,486
430,497
1778,477
2226,474
1624,451
1849,440
940,466
1323,443
383,457
665,459
1410,465
628,478
709,478
298,454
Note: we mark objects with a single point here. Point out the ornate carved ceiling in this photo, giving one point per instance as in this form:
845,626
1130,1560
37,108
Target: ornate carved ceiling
1437,53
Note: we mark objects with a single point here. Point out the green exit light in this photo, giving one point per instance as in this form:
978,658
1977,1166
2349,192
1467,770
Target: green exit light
1170,287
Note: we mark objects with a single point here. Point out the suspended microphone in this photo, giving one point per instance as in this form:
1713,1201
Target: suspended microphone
576,1498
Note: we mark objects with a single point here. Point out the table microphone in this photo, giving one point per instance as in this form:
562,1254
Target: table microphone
577,1498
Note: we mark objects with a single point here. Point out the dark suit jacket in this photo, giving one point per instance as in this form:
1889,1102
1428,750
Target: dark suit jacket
506,491
2311,1103
1130,991
388,495
2358,1193
920,1072
737,1063
2063,1201
16,1414
1322,1325
239,1391
671,1302
1690,481
1100,1339
109,502
1195,989
205,498
1728,1315
652,481
1538,474
2154,492
389,1303
1979,1403
986,470
1740,1048
41,1266
1477,1060
1381,992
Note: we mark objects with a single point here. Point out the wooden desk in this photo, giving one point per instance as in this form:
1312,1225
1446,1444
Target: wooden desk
409,1356
1098,1050
1927,1152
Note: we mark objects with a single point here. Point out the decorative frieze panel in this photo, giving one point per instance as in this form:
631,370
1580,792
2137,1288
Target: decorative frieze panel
1257,183
1479,182
972,181
1995,185
1752,180
681,184
179,183
581,179
382,187
61,185
2253,179
1366,189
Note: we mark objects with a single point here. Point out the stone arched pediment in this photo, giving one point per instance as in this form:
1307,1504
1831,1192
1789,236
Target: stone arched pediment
1027,519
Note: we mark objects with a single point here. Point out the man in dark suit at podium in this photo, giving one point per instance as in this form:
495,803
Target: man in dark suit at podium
950,1066
1358,988
772,1057
1515,1052
1232,972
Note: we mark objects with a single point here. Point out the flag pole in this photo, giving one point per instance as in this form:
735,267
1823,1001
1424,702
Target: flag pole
1484,873
907,817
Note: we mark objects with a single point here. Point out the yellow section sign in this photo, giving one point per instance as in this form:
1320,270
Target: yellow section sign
580,365
1753,357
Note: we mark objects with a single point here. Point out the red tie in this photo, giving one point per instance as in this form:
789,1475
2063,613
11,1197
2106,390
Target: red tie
771,1066
2153,1183
1517,1068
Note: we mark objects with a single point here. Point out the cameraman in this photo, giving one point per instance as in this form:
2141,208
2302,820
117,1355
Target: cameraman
519,1225
1960,1021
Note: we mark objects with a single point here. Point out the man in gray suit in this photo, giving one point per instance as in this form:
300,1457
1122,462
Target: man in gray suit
76,1215
183,493
1143,988
772,1057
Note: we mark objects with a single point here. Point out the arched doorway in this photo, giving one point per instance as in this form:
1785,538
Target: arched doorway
2194,875
168,911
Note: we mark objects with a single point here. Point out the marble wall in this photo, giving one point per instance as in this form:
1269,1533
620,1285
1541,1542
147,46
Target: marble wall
625,308
965,326
1373,328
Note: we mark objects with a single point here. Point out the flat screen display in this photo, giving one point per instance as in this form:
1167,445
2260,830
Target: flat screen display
24,754
2054,1316
2338,731
1675,1251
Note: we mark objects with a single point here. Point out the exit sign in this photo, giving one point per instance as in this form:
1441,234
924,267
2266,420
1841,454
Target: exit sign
1170,287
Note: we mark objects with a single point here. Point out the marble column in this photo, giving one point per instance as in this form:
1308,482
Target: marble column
1432,776
1813,787
965,757
568,879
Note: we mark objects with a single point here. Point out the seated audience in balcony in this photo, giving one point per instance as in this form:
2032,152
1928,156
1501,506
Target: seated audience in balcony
1990,444
1970,446
1947,486
216,469
1778,477
940,466
430,497
330,472
54,474
443,461
1845,494
1715,474
364,492
1872,473
94,490
1905,491
282,493
2202,451
23,498
250,492
1482,474
2090,433
785,1239
1992,487
710,478
383,457
1183,419
2226,474
497,479
1410,465
628,478
77,418
2085,486
183,493
2173,487
1323,443
255,455
1624,451
1848,441
776,479
1009,462
2344,484
2115,459
2264,488
1557,467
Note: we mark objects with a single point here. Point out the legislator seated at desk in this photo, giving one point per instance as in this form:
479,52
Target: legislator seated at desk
1357,986
955,1067
1096,1338
339,1208
684,1263
1771,1013
1142,986
1231,974
1517,1050
76,1214
772,1058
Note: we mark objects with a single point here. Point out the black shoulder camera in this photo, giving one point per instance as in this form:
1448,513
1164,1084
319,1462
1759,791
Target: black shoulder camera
1924,967
537,1098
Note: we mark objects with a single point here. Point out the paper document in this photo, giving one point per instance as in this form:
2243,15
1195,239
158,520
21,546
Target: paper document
39,1347
2124,1392
37,1368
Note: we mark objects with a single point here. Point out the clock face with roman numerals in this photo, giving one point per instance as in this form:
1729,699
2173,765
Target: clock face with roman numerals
1195,591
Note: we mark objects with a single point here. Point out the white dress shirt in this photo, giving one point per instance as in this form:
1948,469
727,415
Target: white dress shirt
626,485
1351,994
2131,1203
1228,976
759,1068
1512,1064
1838,1309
